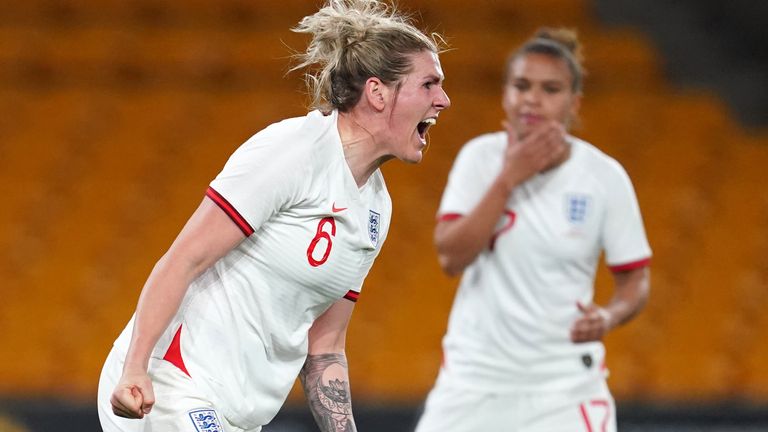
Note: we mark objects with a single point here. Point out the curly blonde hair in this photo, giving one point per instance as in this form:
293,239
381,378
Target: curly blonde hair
353,40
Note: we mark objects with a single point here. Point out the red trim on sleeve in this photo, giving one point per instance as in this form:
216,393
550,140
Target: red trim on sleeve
233,214
352,295
631,265
173,355
449,216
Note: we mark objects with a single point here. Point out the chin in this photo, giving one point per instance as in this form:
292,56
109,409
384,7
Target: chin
523,130
413,158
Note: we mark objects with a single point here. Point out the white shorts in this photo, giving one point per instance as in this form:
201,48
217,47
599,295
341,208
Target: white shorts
452,409
179,405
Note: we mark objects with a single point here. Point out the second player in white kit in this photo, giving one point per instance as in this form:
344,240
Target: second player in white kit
526,215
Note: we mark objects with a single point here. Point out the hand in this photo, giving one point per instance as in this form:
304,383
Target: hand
133,396
538,151
594,323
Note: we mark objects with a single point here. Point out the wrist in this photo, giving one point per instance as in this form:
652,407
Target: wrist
134,365
608,318
505,185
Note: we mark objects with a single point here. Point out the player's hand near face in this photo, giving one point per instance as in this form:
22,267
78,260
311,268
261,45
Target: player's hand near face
133,395
592,325
533,153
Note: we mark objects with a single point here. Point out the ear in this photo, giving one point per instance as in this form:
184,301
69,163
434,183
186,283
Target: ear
376,93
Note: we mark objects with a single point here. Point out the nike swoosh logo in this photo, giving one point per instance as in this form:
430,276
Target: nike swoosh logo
335,209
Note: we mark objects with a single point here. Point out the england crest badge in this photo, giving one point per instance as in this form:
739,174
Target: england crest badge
205,420
374,221
577,208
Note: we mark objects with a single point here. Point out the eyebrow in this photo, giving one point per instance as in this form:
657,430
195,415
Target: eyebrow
435,78
551,81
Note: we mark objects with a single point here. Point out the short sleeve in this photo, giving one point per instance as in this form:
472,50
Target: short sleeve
258,180
624,240
471,175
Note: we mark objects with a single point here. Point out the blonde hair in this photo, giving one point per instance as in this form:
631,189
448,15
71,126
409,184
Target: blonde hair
353,40
561,43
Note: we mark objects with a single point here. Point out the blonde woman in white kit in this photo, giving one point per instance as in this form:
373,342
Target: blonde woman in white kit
259,286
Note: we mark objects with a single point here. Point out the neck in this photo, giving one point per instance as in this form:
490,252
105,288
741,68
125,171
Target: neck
360,148
559,161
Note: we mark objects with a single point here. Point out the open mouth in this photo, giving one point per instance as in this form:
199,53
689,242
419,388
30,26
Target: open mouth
424,126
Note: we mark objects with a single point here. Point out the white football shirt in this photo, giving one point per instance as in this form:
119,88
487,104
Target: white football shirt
241,330
510,322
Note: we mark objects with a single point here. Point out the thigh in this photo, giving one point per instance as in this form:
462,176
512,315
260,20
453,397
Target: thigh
179,405
450,409
598,415
588,410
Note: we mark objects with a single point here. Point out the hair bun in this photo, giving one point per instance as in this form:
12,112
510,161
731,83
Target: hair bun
354,34
565,37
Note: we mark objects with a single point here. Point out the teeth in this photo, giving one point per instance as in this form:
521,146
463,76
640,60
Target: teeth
430,121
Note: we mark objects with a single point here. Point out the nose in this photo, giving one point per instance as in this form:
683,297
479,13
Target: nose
532,96
442,101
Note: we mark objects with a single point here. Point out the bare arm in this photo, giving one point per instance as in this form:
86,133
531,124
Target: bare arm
631,294
325,375
460,241
208,235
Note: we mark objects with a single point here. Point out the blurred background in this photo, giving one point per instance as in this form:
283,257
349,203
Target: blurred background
115,115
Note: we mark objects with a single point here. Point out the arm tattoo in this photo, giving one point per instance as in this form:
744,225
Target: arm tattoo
325,380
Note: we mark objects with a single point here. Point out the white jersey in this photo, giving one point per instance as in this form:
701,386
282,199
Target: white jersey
510,322
241,330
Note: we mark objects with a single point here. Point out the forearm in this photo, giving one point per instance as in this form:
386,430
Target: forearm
325,378
159,301
632,288
208,235
631,294
460,242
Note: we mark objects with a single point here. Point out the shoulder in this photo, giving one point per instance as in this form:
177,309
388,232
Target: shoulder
596,162
489,145
293,132
604,172
486,142
298,141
